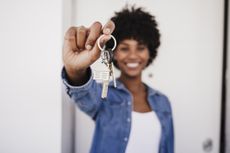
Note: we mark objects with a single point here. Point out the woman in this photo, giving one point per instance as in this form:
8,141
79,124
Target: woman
120,119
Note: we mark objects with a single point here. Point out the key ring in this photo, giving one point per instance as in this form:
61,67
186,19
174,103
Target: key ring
98,43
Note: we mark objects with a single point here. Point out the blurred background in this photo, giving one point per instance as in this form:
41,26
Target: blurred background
191,68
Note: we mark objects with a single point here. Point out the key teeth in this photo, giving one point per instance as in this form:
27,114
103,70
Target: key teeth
113,75
104,89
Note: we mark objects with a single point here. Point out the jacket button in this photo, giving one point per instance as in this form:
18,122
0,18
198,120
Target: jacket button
128,120
125,139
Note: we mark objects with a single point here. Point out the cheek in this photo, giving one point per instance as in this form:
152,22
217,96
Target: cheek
118,56
146,58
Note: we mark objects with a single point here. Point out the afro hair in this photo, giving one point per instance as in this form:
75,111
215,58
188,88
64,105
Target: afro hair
135,23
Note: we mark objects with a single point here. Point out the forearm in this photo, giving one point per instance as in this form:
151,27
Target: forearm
86,96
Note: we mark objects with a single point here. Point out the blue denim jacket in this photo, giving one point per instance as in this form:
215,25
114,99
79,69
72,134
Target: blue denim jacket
112,115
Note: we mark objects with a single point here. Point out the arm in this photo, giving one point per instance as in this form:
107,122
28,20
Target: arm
80,50
86,96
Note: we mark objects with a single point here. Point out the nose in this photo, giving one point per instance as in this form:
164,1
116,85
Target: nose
133,54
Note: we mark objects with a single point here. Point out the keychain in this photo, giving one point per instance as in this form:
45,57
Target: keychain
107,59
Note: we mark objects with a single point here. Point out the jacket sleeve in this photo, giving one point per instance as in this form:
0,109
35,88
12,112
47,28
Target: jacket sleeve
87,96
170,137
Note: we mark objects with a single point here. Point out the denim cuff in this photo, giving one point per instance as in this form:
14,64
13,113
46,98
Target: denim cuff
76,89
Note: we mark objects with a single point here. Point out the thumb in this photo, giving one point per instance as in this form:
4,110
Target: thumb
101,41
99,46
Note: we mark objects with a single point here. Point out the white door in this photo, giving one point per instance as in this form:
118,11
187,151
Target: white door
188,68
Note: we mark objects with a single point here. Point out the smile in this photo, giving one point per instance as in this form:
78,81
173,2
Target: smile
132,65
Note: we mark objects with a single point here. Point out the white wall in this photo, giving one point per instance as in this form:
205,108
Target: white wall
30,85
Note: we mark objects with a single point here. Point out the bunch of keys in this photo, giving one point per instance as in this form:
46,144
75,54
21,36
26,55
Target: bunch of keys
107,59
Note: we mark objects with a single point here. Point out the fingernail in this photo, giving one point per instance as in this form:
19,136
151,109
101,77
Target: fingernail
107,31
88,47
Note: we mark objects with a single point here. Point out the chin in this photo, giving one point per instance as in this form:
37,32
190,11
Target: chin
132,74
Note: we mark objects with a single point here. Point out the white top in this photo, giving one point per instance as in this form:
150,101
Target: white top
143,137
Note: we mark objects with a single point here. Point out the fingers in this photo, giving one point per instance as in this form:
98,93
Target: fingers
80,44
70,39
107,31
81,37
94,33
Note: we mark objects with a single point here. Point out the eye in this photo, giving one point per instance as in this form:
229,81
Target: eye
141,48
124,49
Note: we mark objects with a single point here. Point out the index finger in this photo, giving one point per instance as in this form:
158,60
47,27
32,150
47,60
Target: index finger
70,39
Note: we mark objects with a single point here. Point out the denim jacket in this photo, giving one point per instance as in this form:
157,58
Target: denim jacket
112,116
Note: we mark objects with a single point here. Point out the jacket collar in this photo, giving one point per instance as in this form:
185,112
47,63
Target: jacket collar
155,98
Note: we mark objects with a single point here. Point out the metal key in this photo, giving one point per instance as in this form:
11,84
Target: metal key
111,67
105,86
107,59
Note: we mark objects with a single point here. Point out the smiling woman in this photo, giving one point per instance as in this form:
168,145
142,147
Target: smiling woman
132,101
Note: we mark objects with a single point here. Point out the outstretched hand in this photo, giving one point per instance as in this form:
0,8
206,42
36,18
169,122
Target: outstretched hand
80,48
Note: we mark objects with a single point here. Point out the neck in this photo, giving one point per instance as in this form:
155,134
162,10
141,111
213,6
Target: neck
133,84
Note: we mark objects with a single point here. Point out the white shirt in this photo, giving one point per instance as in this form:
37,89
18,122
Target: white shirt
145,133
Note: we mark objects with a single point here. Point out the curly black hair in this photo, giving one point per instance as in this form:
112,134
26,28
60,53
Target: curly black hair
134,23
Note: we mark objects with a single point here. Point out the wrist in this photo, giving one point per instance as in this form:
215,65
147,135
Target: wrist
76,77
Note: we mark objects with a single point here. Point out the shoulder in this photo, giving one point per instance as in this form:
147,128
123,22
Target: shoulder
160,99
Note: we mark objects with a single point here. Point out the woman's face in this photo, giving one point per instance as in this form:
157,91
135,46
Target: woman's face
132,57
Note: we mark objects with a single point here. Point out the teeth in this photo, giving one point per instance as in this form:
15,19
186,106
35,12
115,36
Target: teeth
132,65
